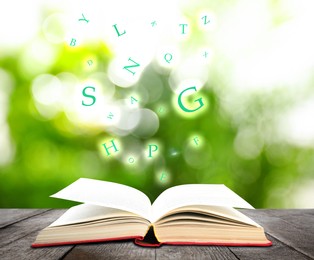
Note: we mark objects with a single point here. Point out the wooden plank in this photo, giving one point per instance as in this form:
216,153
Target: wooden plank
295,228
9,216
17,238
111,250
302,219
194,252
277,251
32,224
127,250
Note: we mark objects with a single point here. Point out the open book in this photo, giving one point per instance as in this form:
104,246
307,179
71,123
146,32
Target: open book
200,214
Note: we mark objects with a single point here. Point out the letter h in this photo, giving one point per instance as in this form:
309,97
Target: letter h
112,146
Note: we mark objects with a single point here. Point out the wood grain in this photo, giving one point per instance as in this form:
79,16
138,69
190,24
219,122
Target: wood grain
111,250
9,216
291,231
294,228
194,252
16,239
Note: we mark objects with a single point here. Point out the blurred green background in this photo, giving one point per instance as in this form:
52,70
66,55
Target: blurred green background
255,131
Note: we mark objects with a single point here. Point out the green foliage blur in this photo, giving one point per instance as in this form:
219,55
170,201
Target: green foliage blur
49,154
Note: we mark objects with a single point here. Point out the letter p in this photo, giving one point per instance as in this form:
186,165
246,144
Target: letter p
152,148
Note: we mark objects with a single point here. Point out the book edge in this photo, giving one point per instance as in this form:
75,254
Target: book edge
139,241
37,245
241,244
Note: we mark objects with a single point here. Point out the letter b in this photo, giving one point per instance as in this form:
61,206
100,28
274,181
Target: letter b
73,42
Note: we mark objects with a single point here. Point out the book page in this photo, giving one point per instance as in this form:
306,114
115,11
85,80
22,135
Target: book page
87,212
220,212
196,194
108,194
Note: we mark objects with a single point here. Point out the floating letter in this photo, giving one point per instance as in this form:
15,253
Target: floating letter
199,100
168,57
133,99
195,140
205,19
183,26
89,96
110,115
131,66
73,42
112,146
119,34
150,151
162,176
83,19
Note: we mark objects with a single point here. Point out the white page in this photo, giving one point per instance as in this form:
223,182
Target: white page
196,194
88,212
108,194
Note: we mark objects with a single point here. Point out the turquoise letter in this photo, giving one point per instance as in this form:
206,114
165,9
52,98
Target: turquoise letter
150,150
119,34
112,146
89,96
168,59
205,19
183,107
183,26
84,19
110,115
162,176
73,42
133,99
131,66
195,140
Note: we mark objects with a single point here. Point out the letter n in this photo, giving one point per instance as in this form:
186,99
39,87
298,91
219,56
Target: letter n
131,66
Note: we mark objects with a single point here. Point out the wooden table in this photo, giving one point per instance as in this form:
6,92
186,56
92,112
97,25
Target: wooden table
291,231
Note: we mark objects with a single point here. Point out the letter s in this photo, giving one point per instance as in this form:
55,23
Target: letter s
89,96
